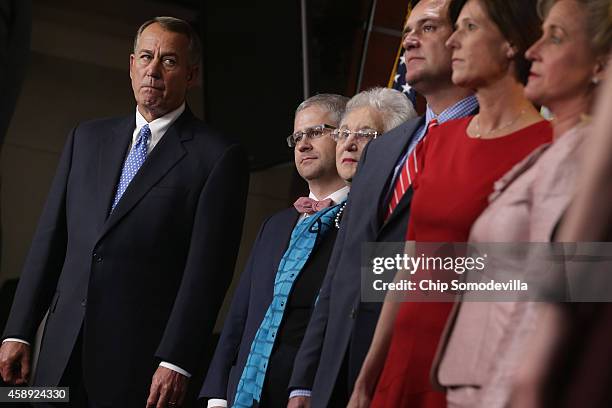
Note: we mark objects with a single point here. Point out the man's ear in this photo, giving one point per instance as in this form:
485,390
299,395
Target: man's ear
192,76
131,64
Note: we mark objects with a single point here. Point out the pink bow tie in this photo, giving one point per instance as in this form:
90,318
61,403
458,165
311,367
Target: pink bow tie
306,205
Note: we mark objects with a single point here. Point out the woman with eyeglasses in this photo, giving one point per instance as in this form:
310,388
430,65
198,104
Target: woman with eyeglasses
368,115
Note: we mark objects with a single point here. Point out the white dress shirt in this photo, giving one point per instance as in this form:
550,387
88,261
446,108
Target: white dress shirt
158,126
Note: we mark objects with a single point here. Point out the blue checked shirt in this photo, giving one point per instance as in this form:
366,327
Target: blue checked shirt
459,110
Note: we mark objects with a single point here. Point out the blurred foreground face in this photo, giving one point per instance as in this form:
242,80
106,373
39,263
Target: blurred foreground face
480,53
357,128
563,61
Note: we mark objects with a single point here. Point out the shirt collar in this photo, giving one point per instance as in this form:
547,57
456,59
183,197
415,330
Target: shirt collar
460,109
158,126
337,196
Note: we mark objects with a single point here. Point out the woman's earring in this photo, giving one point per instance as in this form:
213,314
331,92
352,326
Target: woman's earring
511,53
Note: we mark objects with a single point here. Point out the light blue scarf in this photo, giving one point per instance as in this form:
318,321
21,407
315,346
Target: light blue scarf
303,239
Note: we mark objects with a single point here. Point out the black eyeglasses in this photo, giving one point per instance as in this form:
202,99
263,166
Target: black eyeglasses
361,136
313,132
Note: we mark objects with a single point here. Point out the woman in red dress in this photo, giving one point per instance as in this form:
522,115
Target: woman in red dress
458,164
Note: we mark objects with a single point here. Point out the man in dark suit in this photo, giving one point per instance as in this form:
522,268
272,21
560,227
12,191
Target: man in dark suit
315,161
136,244
341,329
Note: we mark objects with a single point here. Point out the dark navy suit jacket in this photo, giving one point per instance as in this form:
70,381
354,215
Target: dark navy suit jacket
252,298
144,283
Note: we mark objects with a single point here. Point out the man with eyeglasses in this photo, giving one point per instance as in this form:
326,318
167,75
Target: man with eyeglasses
280,284
341,329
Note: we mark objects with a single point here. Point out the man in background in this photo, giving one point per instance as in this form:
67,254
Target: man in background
136,245
280,284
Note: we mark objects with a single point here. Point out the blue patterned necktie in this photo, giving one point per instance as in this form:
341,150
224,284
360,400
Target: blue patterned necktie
300,247
132,164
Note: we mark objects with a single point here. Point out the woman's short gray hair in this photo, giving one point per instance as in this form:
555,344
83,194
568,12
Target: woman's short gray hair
394,105
176,25
334,104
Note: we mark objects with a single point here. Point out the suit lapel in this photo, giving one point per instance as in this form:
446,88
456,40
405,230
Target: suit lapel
401,206
286,226
164,156
442,344
391,155
113,150
274,244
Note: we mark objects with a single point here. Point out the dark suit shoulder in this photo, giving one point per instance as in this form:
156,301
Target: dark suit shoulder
188,125
99,124
281,219
403,131
203,134
287,212
385,149
88,132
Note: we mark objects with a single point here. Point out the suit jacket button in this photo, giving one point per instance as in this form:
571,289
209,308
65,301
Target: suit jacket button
84,302
97,257
353,313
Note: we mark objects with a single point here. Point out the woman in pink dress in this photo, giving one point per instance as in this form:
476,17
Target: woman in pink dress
488,340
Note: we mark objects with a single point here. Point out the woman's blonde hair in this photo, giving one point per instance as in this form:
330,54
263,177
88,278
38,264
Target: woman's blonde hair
599,22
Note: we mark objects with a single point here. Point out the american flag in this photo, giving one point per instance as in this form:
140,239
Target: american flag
399,80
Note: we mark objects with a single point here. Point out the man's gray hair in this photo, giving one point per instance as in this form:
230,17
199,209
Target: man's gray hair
395,106
334,104
176,25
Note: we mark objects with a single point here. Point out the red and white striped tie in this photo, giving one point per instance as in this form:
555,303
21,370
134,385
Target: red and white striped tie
407,174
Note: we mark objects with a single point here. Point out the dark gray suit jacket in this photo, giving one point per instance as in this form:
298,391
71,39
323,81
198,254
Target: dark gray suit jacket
342,326
144,283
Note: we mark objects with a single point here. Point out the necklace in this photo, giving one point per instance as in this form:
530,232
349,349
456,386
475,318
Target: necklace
339,215
505,126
